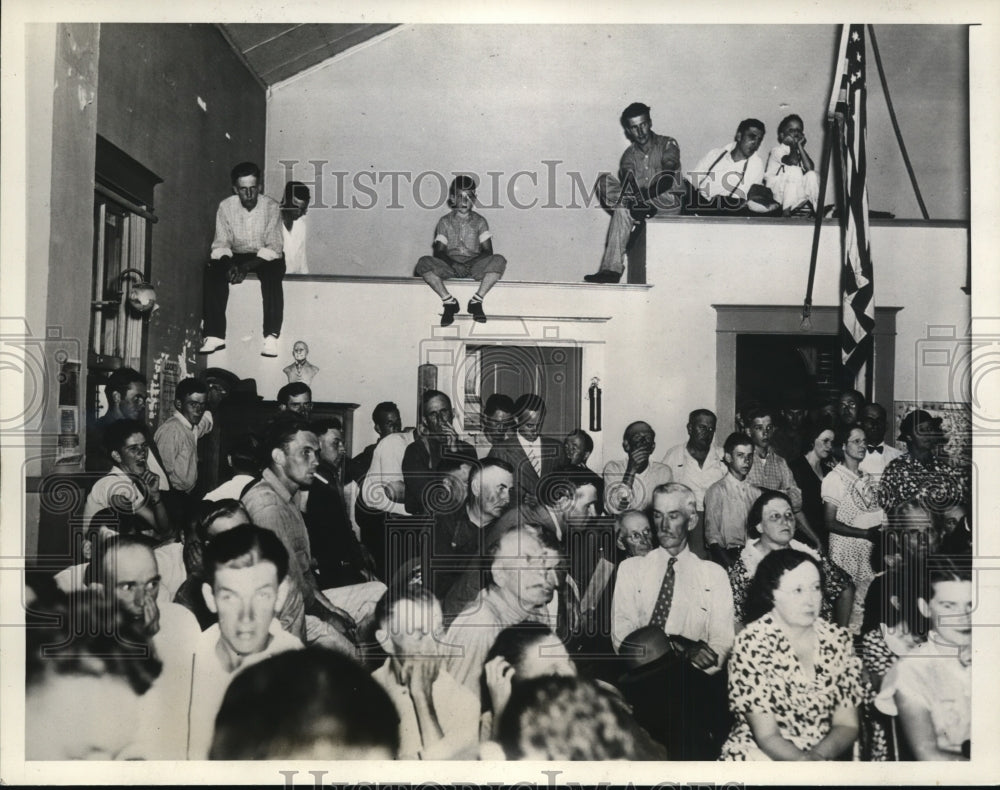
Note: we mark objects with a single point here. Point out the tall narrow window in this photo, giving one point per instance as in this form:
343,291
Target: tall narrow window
123,220
121,240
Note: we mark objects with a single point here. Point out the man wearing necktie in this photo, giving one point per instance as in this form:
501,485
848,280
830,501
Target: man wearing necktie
531,455
691,600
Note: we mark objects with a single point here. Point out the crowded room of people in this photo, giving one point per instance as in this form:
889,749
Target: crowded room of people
480,393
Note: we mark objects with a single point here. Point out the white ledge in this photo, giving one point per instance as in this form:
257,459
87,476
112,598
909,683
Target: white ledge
356,278
592,319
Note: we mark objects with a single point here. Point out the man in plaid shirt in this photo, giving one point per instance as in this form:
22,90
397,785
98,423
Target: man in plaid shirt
770,471
247,239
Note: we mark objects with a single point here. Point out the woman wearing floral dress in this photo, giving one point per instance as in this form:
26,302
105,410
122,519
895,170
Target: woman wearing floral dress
850,502
771,518
794,681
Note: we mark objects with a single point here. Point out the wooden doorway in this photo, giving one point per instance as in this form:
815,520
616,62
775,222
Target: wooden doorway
552,372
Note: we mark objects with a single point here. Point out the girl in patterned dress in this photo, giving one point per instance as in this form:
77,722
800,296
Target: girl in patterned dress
886,635
851,508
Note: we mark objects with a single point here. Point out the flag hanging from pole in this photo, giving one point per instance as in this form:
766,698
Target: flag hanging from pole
847,104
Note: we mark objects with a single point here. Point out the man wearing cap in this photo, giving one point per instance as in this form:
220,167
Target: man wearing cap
647,173
919,474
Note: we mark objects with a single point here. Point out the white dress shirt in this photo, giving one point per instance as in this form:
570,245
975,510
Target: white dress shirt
702,605
295,247
457,710
875,463
698,478
387,467
533,450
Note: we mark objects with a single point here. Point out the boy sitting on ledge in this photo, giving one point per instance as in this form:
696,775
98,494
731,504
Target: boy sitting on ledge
463,247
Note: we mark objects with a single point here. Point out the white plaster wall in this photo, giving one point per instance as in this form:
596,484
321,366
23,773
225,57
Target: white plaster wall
918,268
507,99
656,354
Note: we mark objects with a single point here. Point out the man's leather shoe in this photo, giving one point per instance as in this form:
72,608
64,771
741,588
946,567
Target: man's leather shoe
604,276
450,311
476,311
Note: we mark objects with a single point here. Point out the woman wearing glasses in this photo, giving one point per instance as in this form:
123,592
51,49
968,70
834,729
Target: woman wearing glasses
773,521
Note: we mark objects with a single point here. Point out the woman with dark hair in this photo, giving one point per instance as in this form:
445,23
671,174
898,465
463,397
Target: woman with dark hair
772,522
570,718
794,681
520,652
929,688
810,469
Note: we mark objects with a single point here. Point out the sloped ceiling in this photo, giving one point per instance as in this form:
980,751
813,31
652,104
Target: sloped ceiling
276,52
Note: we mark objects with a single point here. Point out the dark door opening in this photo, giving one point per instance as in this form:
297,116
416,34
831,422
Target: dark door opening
771,367
552,372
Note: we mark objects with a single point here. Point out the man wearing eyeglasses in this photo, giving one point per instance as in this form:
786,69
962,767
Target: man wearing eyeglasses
633,535
177,438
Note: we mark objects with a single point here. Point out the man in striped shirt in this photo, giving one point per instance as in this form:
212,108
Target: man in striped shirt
247,239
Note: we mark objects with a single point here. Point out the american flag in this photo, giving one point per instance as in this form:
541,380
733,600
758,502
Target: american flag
847,105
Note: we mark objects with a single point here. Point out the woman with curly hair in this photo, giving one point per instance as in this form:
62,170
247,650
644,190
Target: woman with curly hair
771,519
794,681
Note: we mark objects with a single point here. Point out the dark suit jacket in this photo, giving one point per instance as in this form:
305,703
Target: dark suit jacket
331,537
419,473
466,585
525,477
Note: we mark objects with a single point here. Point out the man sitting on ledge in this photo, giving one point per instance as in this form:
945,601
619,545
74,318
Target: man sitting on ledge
647,172
722,179
247,239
